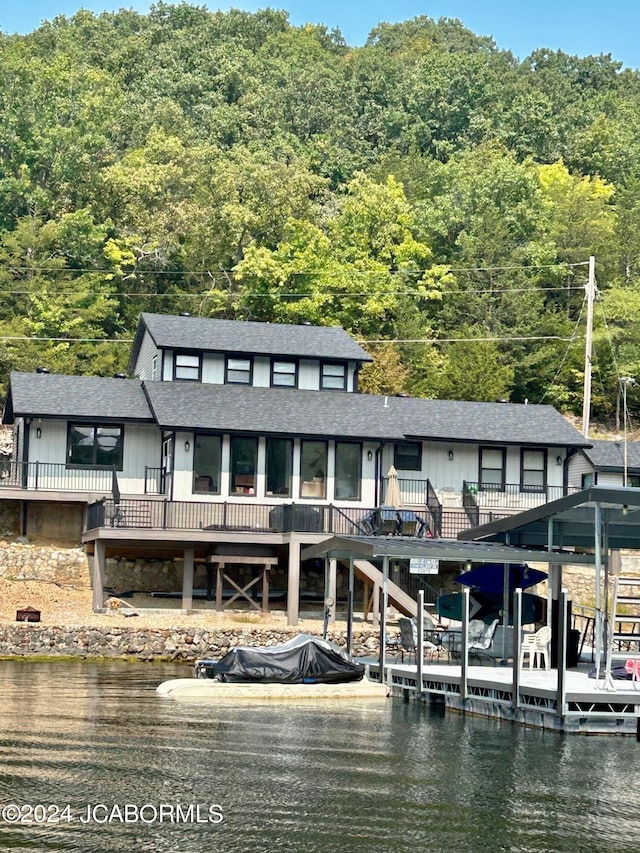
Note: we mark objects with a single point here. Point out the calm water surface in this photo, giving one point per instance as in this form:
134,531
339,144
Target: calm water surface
306,778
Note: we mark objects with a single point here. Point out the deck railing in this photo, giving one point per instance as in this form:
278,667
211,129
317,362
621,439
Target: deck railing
53,476
511,495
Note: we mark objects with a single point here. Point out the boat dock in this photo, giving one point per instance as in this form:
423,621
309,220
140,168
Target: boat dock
579,705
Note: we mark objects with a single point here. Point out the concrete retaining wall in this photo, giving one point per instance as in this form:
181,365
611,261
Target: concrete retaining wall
33,640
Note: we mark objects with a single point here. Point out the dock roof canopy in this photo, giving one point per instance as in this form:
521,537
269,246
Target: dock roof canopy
408,547
570,522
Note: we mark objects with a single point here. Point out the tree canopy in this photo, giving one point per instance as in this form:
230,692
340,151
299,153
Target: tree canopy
430,193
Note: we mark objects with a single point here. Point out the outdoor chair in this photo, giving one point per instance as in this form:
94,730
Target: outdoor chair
409,640
480,640
535,647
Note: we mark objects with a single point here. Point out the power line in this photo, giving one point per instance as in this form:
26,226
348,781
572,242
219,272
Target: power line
571,339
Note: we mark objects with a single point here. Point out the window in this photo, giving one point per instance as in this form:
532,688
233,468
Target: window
244,455
155,367
284,374
348,470
186,367
492,462
313,467
333,377
238,371
533,470
407,456
633,481
207,455
92,446
588,480
279,465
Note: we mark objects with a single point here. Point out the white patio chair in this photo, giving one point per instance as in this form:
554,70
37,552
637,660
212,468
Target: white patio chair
535,647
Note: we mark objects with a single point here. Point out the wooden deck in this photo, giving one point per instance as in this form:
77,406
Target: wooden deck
581,706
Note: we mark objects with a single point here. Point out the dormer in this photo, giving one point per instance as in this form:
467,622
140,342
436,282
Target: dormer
238,352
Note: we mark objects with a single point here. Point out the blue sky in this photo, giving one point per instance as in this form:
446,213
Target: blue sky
579,27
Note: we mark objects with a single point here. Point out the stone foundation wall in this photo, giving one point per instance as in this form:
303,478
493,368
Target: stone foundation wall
33,640
24,561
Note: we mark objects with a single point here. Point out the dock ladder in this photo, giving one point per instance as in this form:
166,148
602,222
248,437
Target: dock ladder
624,628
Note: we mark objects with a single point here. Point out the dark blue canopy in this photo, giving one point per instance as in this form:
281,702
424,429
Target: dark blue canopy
491,576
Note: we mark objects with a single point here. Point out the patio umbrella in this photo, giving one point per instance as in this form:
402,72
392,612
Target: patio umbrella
393,497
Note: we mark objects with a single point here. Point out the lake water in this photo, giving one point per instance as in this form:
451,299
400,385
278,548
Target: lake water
140,772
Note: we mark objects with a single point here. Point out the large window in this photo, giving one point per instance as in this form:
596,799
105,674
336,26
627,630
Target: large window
492,468
279,464
313,469
533,470
284,374
333,377
92,446
244,456
407,456
186,367
238,371
207,455
348,470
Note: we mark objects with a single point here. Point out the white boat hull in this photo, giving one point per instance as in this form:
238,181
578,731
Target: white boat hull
219,691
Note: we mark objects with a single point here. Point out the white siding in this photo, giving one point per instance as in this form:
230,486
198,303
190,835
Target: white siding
141,448
144,364
262,372
213,369
309,374
167,365
578,465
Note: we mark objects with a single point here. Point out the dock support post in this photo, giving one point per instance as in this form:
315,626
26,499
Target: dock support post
383,616
561,698
464,651
350,607
517,642
420,644
333,588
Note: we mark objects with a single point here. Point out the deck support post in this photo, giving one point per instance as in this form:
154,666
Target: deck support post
97,578
293,584
187,578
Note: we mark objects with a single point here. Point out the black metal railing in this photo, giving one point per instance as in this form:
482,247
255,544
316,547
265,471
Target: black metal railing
154,481
54,476
434,512
412,492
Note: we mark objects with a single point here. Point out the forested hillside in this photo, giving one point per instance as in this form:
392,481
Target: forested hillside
430,193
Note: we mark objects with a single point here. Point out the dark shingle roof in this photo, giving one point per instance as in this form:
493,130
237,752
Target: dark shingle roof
52,395
278,339
184,405
609,455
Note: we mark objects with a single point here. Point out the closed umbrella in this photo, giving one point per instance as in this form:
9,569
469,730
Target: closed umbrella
393,497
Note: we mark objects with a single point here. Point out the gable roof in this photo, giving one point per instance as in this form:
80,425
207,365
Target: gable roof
609,455
94,398
284,411
247,337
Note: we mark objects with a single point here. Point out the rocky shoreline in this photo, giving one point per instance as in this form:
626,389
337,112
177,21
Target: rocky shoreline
151,644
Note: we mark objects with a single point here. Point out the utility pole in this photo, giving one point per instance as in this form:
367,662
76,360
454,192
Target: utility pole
625,380
590,288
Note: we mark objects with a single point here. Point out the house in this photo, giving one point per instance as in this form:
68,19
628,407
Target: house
604,463
233,444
